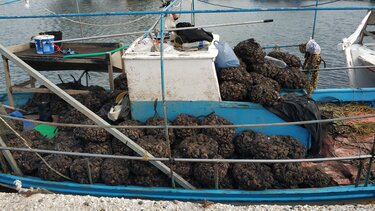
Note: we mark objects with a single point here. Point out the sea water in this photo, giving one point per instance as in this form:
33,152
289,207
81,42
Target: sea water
288,28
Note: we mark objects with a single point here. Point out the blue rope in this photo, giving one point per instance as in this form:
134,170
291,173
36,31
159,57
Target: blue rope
315,15
9,2
285,9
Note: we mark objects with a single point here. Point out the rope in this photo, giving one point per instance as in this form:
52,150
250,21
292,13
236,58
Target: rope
101,25
192,160
37,154
190,126
9,2
319,4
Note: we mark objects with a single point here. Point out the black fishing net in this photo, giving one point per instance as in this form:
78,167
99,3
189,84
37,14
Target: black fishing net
65,141
221,135
204,173
252,176
156,180
132,133
314,178
184,169
86,170
156,147
159,132
60,163
235,74
250,52
287,175
269,83
120,148
91,134
187,120
266,69
115,172
98,148
263,95
198,146
233,91
121,82
291,78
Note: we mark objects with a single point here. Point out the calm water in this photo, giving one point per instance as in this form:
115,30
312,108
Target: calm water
287,28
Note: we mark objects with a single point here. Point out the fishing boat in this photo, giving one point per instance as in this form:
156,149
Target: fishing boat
359,51
172,82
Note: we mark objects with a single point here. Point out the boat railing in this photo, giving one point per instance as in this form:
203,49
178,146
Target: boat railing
144,155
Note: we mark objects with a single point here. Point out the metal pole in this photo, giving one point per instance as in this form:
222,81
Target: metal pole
370,163
192,160
163,92
359,172
166,134
216,175
79,18
315,15
220,25
193,14
90,114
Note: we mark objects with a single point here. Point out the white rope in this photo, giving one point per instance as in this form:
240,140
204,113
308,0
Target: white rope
37,154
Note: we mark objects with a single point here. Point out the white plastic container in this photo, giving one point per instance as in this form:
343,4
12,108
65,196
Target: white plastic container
44,44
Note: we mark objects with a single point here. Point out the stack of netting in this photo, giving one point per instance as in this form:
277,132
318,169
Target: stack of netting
257,79
203,143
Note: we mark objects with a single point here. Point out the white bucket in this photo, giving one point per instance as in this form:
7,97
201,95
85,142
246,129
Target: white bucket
44,44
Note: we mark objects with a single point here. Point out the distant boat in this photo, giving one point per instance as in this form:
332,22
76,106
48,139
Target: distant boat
360,51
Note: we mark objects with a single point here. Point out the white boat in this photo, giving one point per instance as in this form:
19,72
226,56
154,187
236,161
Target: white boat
360,51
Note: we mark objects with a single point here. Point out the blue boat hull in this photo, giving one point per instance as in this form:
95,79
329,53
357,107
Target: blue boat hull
266,196
228,110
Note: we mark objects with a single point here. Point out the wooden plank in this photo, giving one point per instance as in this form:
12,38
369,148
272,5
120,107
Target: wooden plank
32,82
122,61
44,90
18,48
9,157
116,60
110,72
91,115
4,165
25,83
8,81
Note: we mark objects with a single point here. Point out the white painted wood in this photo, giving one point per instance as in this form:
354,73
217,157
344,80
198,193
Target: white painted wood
189,76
